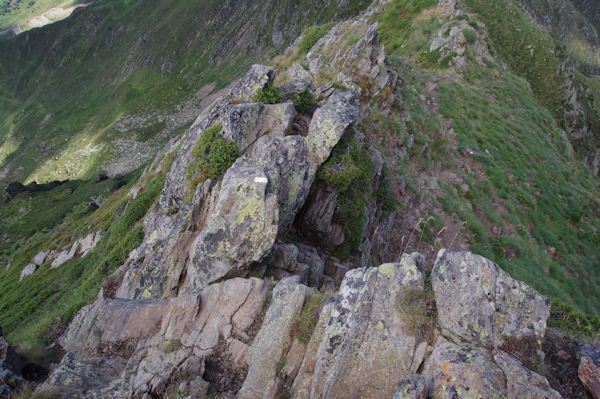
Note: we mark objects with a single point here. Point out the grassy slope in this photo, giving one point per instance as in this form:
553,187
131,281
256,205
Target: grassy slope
534,210
121,57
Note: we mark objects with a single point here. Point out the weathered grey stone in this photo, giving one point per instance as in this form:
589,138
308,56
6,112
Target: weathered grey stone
28,271
245,123
289,155
78,375
114,326
309,256
328,126
260,195
366,348
481,303
242,228
273,340
463,372
295,86
62,258
413,387
40,258
283,256
522,382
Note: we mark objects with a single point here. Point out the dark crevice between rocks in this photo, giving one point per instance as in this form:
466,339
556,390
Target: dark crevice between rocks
222,372
561,363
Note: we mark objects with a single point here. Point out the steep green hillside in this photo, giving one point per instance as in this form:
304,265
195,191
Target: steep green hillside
518,191
107,87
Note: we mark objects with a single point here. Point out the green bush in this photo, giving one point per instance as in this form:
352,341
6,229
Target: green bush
312,35
305,101
470,36
268,95
213,155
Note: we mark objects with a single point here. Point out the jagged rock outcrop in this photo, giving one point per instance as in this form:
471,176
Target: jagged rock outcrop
366,348
186,317
254,203
273,341
362,64
481,303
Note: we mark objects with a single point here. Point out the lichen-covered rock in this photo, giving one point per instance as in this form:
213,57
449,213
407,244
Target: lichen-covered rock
296,86
290,158
242,228
328,125
463,372
28,271
245,123
82,376
273,340
589,374
413,387
522,382
481,303
363,61
366,348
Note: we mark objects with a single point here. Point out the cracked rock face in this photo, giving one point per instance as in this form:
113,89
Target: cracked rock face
481,303
366,348
273,340
467,371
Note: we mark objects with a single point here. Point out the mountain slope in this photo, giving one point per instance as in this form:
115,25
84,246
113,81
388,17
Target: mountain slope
106,88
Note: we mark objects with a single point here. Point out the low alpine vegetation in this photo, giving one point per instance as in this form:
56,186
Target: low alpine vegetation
213,155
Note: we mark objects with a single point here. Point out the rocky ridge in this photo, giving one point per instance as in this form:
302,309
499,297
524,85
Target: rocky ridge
236,290
187,317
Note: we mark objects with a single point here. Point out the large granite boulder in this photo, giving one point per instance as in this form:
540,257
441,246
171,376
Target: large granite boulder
328,125
366,347
481,303
245,123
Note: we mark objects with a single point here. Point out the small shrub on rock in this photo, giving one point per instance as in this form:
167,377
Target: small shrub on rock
268,95
213,155
305,102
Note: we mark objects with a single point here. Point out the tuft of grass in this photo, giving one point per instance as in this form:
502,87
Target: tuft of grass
418,312
305,323
312,34
172,346
349,171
